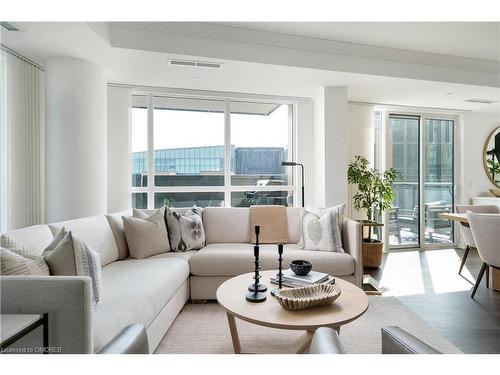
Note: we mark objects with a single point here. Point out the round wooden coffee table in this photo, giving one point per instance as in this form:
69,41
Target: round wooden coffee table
351,304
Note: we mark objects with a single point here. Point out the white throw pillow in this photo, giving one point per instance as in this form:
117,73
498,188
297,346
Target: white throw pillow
322,229
146,235
186,230
15,259
16,263
67,255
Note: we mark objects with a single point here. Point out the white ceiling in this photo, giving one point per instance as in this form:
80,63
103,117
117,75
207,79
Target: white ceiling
38,41
476,40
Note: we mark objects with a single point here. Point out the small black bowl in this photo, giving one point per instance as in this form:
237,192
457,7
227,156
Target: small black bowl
300,267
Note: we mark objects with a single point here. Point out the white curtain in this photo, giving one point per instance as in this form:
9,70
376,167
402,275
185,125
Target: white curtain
21,142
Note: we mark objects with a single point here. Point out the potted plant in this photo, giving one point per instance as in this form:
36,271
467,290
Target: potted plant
374,194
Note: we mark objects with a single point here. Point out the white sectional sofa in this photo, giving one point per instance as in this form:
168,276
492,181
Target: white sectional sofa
152,291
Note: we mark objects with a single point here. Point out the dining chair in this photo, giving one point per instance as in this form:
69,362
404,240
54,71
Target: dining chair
486,232
465,228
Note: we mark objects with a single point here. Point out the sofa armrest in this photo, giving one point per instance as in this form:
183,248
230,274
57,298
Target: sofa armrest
131,340
396,340
326,341
351,239
66,299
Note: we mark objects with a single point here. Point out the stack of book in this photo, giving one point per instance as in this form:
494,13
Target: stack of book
291,280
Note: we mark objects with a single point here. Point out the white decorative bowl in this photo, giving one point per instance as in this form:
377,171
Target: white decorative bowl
307,297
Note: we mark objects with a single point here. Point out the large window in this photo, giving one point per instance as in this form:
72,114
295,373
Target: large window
210,152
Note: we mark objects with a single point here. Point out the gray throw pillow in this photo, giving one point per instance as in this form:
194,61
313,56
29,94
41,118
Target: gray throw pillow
185,230
322,229
146,234
67,255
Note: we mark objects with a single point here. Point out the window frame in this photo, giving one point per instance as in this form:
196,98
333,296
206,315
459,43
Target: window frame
227,188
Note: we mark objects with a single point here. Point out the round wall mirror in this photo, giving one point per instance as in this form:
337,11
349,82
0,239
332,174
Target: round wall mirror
491,157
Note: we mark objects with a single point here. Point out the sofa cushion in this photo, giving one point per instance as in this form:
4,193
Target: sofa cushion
321,229
95,232
135,291
146,235
232,225
185,230
67,255
116,224
273,224
34,239
177,254
226,225
231,259
294,217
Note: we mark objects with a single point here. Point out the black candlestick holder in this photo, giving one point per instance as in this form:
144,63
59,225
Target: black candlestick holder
279,276
256,289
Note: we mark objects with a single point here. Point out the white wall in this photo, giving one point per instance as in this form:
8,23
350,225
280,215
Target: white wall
304,144
119,163
475,128
318,151
336,145
330,150
75,139
360,143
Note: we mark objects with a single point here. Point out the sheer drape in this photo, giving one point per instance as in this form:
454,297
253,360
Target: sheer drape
21,142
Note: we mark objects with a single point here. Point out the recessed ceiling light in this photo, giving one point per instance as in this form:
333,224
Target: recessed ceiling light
194,78
481,101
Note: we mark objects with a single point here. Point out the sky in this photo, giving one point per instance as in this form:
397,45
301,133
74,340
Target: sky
179,129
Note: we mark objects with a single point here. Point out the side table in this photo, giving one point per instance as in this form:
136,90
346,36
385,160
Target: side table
369,284
15,326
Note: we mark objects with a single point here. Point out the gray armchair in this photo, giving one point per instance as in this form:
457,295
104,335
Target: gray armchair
394,341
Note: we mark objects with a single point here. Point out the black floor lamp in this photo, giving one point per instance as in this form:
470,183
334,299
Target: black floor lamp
293,164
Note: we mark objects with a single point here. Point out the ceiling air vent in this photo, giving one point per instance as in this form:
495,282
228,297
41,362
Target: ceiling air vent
196,64
481,101
8,26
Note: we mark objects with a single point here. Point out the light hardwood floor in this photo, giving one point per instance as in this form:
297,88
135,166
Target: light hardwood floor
429,284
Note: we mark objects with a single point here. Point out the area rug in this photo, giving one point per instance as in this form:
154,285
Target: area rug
203,329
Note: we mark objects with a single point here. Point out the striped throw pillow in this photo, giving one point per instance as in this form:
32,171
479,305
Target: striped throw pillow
18,261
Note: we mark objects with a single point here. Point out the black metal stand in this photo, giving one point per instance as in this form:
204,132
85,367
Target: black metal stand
280,271
256,290
43,321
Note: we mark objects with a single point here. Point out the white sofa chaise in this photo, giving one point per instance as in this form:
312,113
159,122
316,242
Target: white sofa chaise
152,291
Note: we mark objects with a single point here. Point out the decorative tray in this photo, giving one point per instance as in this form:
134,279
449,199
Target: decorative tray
307,297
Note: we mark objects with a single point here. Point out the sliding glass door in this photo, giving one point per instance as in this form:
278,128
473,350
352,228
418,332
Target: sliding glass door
438,179
403,225
421,149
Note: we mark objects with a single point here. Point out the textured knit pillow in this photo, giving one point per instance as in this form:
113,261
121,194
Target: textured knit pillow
15,259
322,229
22,263
146,235
186,230
67,255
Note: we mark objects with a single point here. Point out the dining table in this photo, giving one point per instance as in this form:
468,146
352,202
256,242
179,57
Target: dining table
462,218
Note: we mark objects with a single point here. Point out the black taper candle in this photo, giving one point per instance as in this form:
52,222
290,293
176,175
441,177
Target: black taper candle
280,268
